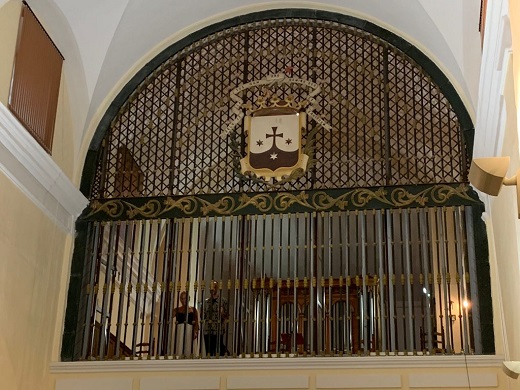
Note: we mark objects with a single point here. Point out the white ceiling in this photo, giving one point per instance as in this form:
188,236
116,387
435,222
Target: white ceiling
105,42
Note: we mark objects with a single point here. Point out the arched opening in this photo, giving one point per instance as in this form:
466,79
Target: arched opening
369,250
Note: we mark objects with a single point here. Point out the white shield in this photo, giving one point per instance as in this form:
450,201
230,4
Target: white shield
274,145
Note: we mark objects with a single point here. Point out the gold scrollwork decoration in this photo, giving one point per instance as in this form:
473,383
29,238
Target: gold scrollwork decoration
358,198
187,205
113,208
282,202
285,200
439,194
263,202
361,197
150,209
224,206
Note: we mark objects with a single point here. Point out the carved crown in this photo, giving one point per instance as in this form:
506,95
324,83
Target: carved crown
271,101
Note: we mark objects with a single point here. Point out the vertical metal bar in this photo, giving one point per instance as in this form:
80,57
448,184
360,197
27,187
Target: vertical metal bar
221,325
461,293
90,251
216,222
191,251
167,288
262,295
251,273
442,262
449,273
161,350
380,256
270,325
176,254
112,288
312,299
236,255
402,291
375,314
409,277
318,269
130,280
472,268
252,281
103,337
203,277
425,256
347,315
229,327
296,305
149,225
151,340
198,289
176,277
328,301
138,287
279,315
290,320
125,240
391,279
364,308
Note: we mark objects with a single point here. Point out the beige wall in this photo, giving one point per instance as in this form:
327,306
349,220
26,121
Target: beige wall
31,261
63,142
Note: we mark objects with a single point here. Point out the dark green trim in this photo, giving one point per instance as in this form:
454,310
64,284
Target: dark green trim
418,56
71,346
280,202
483,280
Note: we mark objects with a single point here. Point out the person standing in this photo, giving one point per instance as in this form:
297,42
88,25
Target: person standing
216,314
186,327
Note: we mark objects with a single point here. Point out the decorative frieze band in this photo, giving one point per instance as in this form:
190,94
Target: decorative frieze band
280,202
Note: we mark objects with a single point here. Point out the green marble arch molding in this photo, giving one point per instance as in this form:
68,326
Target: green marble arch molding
280,202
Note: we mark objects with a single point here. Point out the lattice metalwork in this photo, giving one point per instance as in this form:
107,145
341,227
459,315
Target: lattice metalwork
391,125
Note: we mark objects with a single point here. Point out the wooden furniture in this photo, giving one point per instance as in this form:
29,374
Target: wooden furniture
286,293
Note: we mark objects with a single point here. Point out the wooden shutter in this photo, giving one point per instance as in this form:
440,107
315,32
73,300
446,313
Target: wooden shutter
36,79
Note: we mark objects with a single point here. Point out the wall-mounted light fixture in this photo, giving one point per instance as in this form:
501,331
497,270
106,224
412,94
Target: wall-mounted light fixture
489,174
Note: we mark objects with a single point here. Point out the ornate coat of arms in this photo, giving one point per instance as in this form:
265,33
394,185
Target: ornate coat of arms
274,129
274,146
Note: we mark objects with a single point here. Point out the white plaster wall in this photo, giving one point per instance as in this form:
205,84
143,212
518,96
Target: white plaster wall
393,372
457,22
506,228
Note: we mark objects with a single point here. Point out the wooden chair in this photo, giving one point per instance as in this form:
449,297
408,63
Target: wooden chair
438,341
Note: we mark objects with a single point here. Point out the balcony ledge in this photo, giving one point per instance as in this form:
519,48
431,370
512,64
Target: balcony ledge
282,363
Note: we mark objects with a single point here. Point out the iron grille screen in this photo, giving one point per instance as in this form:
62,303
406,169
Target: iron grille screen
309,284
391,125
371,251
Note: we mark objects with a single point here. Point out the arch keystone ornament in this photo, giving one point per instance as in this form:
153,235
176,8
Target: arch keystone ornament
274,128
